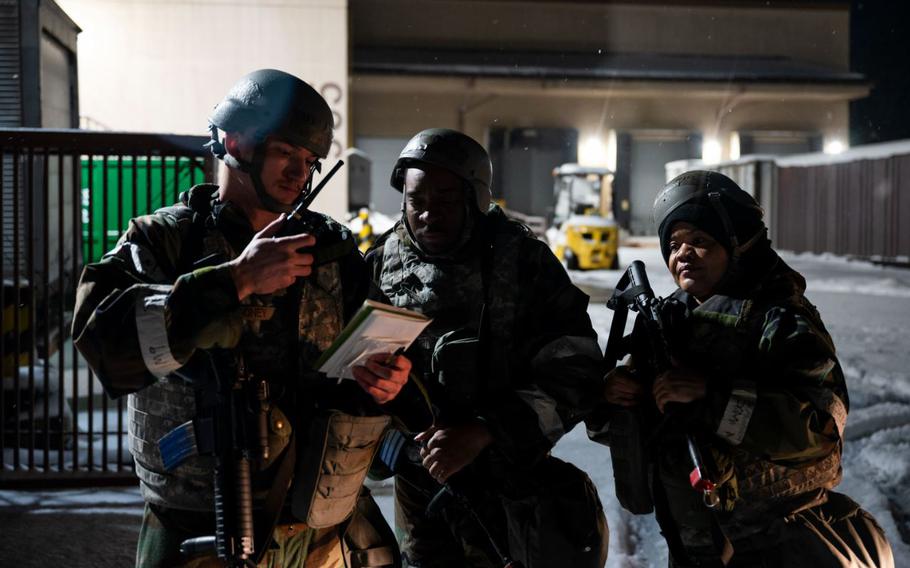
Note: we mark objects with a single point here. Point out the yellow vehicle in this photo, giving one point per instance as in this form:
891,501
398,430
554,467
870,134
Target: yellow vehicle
584,233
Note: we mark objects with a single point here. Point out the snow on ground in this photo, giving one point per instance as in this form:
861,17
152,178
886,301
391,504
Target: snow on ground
76,501
380,222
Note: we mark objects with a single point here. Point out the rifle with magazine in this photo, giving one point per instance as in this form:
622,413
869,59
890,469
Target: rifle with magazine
628,432
231,426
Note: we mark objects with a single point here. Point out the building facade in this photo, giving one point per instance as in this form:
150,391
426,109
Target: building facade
149,66
626,85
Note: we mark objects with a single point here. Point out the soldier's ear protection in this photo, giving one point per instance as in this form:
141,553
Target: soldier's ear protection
398,172
216,145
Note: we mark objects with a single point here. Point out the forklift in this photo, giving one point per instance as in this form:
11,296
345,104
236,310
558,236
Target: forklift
583,233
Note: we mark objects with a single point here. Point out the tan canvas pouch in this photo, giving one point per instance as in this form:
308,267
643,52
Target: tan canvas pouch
335,459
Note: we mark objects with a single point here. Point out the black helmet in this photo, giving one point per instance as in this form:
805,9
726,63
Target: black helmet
275,103
713,202
269,102
453,151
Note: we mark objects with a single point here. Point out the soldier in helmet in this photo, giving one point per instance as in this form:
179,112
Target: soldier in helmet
510,363
225,270
756,384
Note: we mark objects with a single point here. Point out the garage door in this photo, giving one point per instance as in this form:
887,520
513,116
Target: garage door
649,154
383,152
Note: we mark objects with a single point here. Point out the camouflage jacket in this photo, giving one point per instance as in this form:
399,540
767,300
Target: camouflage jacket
772,423
535,371
147,306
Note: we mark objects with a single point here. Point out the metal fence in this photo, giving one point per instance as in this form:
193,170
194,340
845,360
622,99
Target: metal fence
858,208
65,196
856,204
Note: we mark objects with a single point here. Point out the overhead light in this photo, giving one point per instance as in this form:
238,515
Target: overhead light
834,146
592,152
710,151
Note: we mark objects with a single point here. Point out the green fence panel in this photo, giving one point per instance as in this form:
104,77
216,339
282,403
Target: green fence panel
135,186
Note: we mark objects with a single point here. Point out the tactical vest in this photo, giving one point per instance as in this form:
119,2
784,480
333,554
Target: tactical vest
157,409
470,298
724,338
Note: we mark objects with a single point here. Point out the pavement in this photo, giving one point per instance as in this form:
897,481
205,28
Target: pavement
84,528
95,527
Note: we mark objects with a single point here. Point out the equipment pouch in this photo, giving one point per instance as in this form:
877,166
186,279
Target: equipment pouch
455,365
335,457
559,522
367,540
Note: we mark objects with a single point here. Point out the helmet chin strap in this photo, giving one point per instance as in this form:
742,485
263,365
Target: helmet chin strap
734,268
254,170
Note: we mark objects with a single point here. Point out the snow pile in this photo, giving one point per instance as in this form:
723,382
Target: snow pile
381,222
888,287
77,502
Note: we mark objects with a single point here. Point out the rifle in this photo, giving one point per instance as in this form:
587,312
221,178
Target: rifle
628,441
231,426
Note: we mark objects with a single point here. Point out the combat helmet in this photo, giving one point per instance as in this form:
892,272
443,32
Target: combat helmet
713,202
269,102
453,151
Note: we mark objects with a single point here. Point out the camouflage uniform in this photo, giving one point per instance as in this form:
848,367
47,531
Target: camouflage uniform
532,376
145,308
771,429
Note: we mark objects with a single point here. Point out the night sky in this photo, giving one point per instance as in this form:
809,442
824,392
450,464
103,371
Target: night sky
880,49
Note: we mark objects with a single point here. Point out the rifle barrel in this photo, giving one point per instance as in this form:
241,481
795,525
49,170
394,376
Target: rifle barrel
639,277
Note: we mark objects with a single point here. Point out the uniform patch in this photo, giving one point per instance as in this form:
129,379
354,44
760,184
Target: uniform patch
257,312
737,414
151,327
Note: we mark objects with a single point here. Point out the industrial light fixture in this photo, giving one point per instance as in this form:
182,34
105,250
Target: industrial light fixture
592,152
834,146
710,151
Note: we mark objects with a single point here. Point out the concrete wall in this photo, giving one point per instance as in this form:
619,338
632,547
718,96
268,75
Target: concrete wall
814,33
160,66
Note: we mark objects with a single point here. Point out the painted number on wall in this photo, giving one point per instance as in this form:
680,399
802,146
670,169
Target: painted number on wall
334,95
